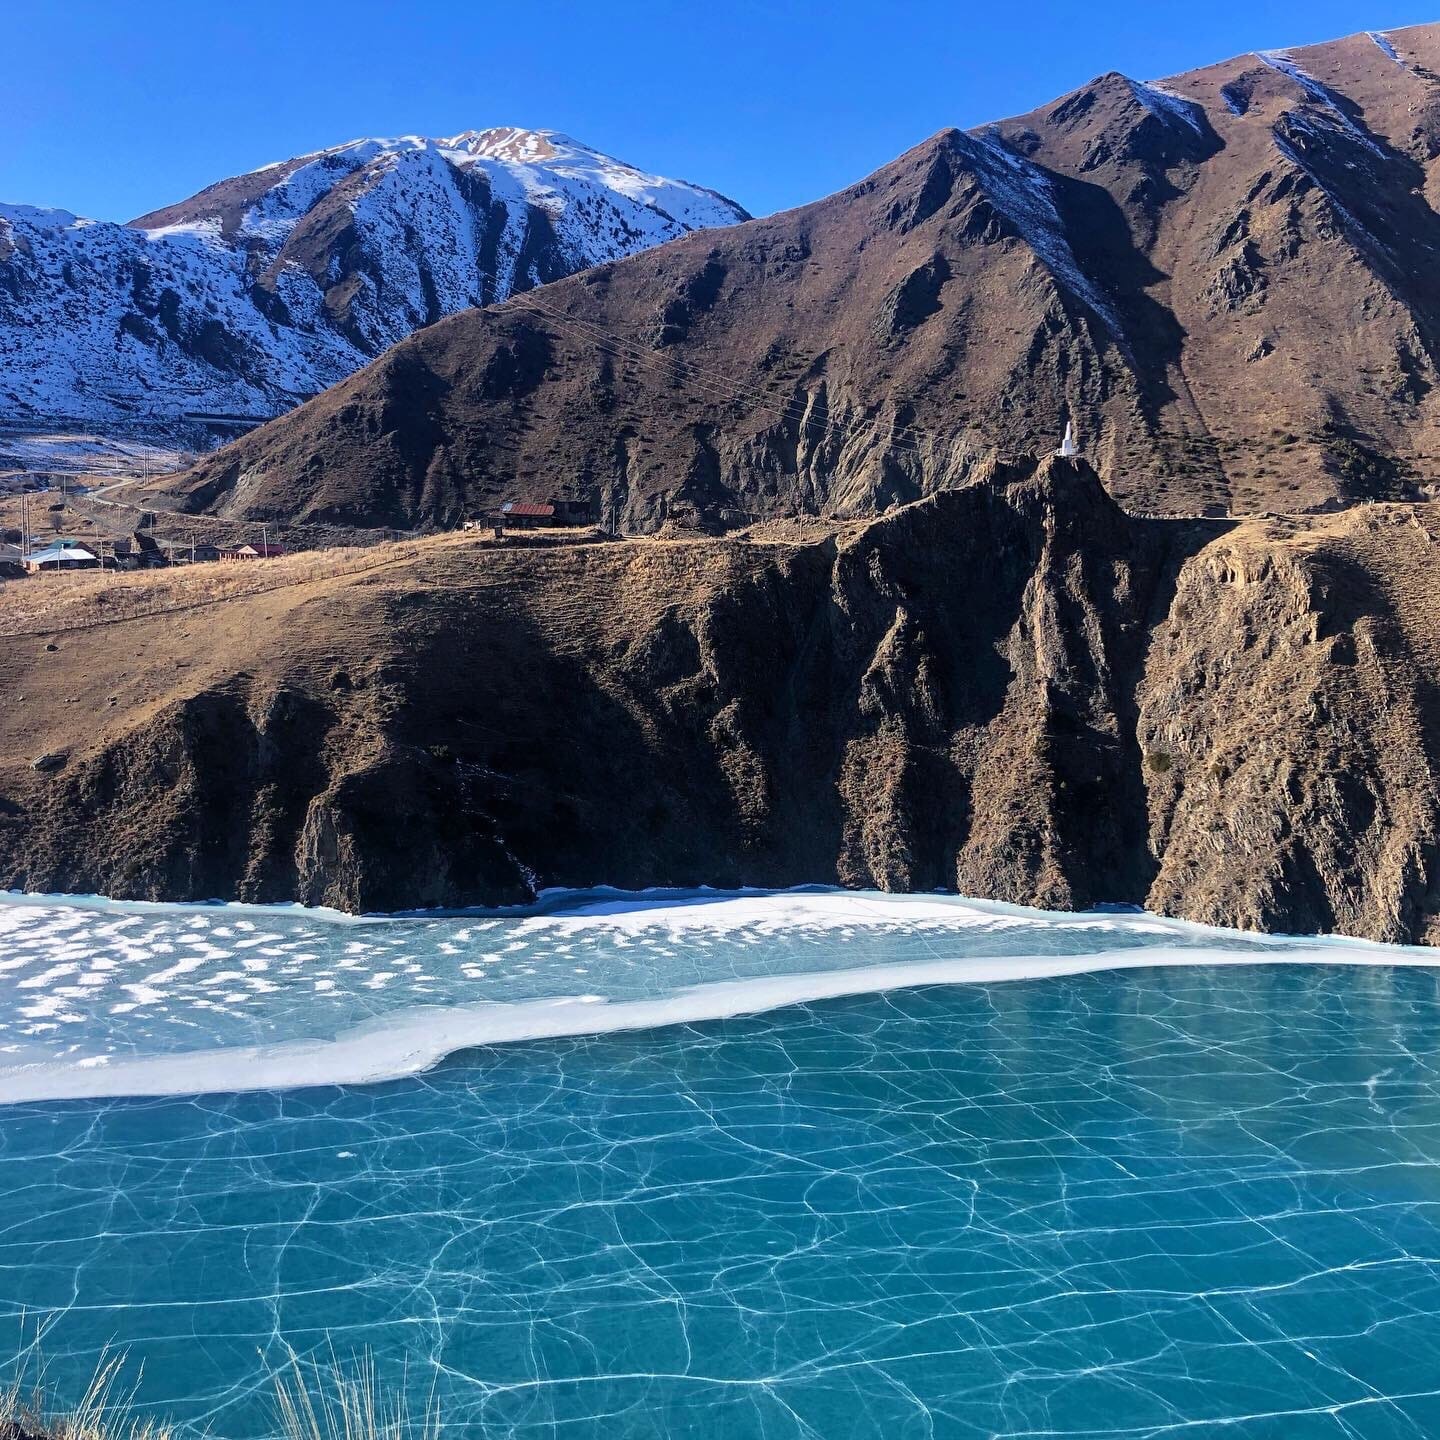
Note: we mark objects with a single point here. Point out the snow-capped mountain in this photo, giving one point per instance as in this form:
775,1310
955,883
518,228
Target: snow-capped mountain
271,286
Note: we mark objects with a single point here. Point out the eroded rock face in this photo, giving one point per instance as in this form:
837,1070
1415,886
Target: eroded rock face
1287,719
1011,689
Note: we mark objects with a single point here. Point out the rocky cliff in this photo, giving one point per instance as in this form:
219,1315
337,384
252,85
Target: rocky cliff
1227,280
1010,688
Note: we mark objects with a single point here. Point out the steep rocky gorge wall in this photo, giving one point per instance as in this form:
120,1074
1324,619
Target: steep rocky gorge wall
1011,689
1288,716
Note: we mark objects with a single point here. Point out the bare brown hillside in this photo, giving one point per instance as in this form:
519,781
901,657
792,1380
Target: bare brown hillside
1228,280
1012,689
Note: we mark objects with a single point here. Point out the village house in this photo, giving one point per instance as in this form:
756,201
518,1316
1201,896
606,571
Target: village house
252,552
63,555
185,552
531,515
523,515
574,512
141,550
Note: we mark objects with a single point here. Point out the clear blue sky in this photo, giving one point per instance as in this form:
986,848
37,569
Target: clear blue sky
114,107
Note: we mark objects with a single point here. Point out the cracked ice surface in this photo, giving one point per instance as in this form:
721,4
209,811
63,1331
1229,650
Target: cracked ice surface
1192,1201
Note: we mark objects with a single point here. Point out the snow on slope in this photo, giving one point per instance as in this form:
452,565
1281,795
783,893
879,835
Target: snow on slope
273,285
1026,195
1321,94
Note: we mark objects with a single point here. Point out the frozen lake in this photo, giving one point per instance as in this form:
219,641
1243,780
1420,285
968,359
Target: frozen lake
807,1164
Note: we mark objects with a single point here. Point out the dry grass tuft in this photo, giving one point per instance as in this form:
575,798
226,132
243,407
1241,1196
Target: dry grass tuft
333,1402
105,1411
346,1404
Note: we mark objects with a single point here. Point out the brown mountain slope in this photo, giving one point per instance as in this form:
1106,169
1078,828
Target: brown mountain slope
1229,282
1011,688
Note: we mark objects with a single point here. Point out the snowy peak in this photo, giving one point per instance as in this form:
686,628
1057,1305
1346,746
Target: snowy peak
46,215
1225,281
542,165
269,286
507,142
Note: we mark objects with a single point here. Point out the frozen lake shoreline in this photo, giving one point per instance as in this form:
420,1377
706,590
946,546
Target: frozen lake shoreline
111,999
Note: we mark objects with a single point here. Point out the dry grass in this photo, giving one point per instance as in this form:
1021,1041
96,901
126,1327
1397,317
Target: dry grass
42,604
340,1403
52,603
333,1402
48,604
105,1411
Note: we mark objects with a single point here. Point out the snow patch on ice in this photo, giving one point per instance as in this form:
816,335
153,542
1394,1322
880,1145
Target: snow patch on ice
159,997
409,1042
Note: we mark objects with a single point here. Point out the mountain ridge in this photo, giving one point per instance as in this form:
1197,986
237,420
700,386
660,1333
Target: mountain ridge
1224,278
1011,689
269,286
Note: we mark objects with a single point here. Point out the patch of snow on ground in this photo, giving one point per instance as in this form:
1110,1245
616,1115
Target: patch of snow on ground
1320,94
1231,103
1385,46
88,455
38,215
1168,105
1296,157
1023,192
